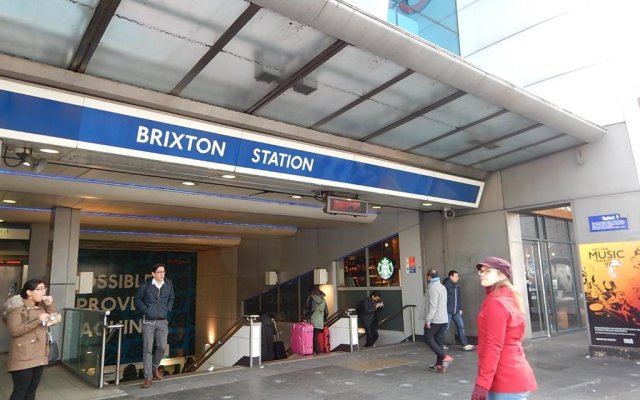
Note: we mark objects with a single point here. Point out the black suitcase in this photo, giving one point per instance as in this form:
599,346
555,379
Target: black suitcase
279,352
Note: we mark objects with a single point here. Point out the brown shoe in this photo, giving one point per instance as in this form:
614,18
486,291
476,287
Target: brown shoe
157,375
146,384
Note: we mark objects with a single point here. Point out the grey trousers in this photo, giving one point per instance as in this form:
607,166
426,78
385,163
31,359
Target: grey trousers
152,355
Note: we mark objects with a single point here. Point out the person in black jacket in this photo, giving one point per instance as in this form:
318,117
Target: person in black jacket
154,299
367,315
454,308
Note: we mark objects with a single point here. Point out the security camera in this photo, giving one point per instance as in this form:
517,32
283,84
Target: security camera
448,213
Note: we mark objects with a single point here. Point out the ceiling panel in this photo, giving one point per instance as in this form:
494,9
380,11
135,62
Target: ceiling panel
411,133
463,111
531,153
269,42
413,93
342,79
530,137
45,31
363,119
152,44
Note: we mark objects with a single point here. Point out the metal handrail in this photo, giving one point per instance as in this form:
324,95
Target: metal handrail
215,346
394,314
333,318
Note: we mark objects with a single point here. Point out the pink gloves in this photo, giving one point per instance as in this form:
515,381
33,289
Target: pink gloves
479,393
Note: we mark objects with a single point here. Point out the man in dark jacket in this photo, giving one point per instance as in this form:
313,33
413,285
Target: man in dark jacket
367,315
454,307
154,299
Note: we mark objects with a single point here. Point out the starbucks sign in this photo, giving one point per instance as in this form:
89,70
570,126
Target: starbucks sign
385,268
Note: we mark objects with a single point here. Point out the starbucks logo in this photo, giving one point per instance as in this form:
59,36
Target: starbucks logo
385,268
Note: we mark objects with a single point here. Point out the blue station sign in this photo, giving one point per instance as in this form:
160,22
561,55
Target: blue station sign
47,116
607,222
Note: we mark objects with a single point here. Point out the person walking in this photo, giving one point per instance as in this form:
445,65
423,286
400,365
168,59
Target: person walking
367,310
154,299
317,312
27,316
503,371
454,308
434,313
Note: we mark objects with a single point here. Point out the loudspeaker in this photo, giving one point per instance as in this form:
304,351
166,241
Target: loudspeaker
448,213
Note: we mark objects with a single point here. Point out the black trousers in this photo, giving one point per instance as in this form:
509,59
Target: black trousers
434,337
25,383
372,334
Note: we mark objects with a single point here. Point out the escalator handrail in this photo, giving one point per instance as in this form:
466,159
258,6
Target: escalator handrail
395,314
215,346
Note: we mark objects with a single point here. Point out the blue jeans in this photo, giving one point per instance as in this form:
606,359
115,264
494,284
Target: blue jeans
457,318
507,396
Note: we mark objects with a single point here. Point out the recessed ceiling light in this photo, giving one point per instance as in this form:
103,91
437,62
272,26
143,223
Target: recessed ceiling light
8,201
296,196
427,204
188,183
49,151
376,207
229,176
1,220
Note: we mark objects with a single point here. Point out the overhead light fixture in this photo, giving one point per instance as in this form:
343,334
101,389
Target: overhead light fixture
9,201
26,158
188,183
49,151
427,204
376,207
1,220
296,196
229,176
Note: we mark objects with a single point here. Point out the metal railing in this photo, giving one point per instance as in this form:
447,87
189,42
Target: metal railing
396,313
220,342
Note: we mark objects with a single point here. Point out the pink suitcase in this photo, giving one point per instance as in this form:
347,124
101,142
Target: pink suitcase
302,338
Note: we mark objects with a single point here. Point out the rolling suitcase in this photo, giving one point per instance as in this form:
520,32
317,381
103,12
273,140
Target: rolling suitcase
279,351
323,340
302,338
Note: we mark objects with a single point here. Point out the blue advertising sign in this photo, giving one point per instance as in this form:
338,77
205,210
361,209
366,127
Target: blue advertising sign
74,121
607,222
117,275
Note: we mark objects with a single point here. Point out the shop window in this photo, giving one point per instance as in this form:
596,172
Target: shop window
383,263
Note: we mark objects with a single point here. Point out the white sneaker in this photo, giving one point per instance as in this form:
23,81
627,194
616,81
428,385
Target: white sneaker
445,347
468,347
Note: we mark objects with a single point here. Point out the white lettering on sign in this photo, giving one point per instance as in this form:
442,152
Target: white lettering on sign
282,160
180,141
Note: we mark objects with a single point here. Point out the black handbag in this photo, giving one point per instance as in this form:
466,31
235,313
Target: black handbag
54,351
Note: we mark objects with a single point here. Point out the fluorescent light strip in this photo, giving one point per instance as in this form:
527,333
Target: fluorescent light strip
197,221
156,188
158,234
145,217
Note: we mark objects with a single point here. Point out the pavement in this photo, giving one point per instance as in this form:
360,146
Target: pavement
562,366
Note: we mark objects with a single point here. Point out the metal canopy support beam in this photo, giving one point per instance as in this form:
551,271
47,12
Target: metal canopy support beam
518,149
361,99
217,47
490,142
97,27
298,75
463,127
414,115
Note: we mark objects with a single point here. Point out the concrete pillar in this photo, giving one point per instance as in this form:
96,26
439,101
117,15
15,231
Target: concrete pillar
39,252
63,246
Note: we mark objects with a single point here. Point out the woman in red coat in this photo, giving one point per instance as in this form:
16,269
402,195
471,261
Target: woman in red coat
503,371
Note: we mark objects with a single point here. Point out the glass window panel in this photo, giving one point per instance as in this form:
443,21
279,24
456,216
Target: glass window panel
269,301
564,287
349,298
289,301
392,300
384,260
355,270
528,226
45,31
557,229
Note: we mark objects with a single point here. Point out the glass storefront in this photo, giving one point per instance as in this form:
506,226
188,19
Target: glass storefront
433,20
376,267
550,262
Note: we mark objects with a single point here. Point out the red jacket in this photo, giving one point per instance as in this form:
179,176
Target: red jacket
502,366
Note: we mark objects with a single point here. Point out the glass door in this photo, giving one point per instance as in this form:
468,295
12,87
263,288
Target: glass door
535,290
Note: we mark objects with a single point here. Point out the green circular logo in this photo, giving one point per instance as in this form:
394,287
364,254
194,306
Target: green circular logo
385,268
